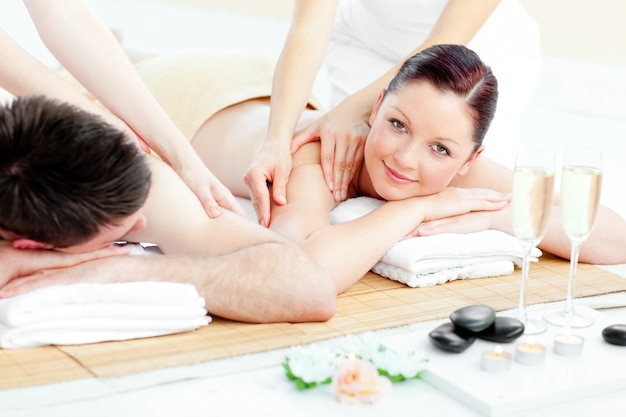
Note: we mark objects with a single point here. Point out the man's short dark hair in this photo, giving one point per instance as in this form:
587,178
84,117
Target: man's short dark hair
65,173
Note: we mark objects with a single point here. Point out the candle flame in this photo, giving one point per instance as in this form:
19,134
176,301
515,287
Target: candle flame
498,349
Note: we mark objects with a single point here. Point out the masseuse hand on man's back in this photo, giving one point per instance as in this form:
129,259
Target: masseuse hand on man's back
85,46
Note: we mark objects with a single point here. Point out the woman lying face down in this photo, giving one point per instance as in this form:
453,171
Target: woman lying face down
421,156
426,129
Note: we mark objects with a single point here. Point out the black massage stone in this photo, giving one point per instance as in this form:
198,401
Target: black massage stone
615,334
474,318
503,330
449,338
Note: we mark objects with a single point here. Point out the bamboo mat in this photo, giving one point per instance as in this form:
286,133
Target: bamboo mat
373,303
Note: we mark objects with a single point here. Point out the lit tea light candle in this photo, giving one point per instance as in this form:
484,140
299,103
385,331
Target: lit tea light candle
496,361
567,344
530,353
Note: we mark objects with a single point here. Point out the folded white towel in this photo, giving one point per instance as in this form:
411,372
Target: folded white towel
431,260
415,279
90,313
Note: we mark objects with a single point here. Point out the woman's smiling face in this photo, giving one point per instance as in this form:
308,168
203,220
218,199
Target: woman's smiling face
420,139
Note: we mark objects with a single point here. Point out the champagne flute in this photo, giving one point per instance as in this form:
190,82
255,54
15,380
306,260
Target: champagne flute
531,202
581,182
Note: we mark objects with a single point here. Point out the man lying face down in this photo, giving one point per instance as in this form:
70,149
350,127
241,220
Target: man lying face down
70,182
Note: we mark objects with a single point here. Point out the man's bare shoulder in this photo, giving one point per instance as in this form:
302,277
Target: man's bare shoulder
177,222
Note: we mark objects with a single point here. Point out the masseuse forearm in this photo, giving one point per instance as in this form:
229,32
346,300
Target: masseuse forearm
299,63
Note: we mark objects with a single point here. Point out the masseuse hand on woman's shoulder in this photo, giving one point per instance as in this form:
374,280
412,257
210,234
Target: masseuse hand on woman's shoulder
342,132
342,142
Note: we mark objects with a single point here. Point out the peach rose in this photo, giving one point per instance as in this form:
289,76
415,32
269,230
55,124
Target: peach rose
358,381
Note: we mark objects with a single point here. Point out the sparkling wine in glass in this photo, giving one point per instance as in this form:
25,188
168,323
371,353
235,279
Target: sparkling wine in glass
581,182
531,203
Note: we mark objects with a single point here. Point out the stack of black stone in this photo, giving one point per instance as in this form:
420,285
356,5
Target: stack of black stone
473,322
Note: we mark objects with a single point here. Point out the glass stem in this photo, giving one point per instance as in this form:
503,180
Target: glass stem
524,283
571,283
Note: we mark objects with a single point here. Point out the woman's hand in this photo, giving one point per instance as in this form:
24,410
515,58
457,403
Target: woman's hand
462,210
474,221
342,133
272,165
18,263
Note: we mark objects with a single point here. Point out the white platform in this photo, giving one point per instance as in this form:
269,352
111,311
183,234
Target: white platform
600,369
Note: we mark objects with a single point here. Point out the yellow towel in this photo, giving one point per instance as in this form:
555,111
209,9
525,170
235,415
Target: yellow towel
193,85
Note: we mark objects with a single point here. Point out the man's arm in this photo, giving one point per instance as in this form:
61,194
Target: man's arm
269,282
21,262
244,271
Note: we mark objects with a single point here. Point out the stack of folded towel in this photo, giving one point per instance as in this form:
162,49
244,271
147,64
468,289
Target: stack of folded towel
430,260
90,313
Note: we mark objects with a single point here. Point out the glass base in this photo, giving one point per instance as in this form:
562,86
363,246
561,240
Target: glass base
534,326
561,318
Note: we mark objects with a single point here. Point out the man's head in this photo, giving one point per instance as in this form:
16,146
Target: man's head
65,174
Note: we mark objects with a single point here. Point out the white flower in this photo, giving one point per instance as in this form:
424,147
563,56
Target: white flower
399,365
312,364
364,346
353,361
